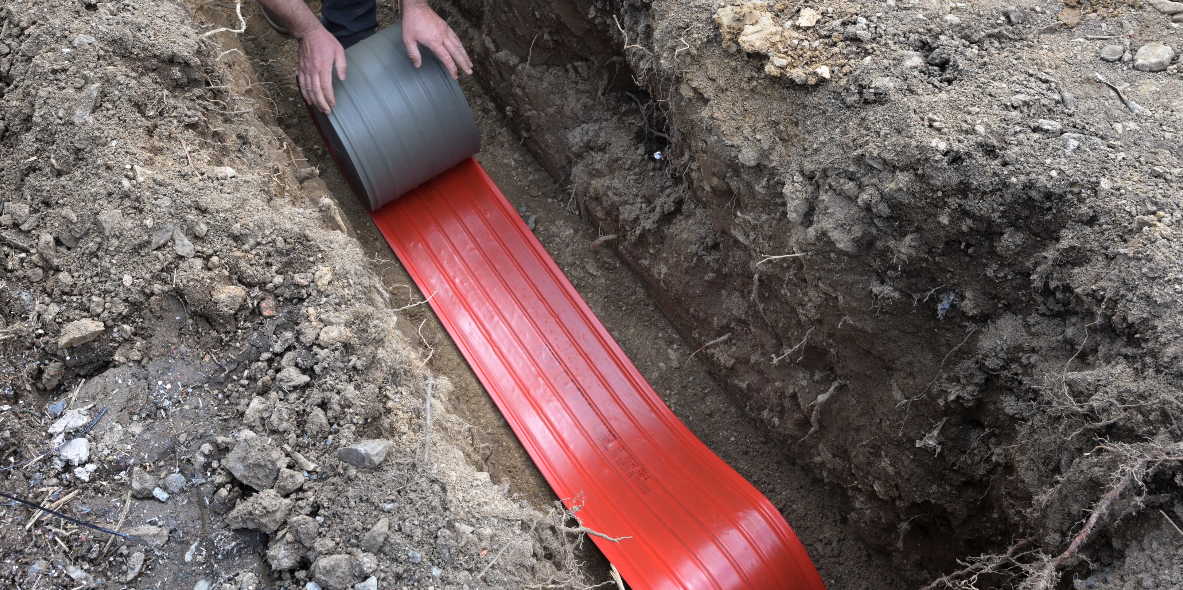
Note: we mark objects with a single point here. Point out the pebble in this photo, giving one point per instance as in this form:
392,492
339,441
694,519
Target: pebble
182,246
371,583
1153,57
80,332
312,586
366,454
808,18
82,474
135,564
253,461
4,49
174,482
265,511
142,484
1049,126
154,535
162,235
203,585
415,557
1014,16
334,572
56,408
76,452
952,20
304,528
160,494
1112,53
289,481
291,378
70,421
373,540
223,172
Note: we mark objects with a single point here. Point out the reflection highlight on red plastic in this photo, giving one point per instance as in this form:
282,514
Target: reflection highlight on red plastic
598,432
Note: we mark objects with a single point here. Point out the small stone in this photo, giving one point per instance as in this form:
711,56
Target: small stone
1112,53
55,409
223,172
160,494
75,452
366,454
284,555
1049,127
312,586
253,461
1153,57
162,235
330,335
304,529
141,484
289,481
80,332
51,377
203,585
155,536
808,18
228,299
371,583
334,572
82,474
364,564
306,174
82,42
182,246
291,378
1013,15
952,20
373,540
173,482
135,565
267,308
4,49
415,556
265,511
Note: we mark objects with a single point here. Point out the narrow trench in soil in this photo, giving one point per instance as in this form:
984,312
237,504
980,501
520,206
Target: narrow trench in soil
814,509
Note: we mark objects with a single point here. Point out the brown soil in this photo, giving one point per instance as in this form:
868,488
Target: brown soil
968,337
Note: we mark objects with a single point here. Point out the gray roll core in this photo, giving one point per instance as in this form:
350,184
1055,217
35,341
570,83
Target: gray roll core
395,126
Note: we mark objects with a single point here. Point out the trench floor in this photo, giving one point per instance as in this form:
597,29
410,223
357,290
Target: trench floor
815,510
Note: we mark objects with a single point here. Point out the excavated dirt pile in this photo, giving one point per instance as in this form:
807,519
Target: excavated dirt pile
932,246
195,350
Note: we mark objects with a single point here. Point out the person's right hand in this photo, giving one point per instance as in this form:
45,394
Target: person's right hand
319,52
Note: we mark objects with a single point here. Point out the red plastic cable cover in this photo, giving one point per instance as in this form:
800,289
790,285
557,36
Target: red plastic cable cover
600,435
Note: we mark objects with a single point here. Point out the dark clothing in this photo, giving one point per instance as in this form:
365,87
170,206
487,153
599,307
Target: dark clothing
350,21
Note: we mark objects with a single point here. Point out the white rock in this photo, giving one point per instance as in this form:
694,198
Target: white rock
76,452
808,18
223,172
70,421
1153,57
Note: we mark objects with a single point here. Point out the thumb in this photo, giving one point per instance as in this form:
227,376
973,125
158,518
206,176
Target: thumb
413,52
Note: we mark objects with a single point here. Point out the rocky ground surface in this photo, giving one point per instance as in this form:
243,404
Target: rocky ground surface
196,350
928,250
930,246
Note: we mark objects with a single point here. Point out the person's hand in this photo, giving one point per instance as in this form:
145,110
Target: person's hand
319,52
422,26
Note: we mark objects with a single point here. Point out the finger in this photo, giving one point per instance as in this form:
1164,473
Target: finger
413,52
326,84
340,60
446,57
459,55
302,80
318,98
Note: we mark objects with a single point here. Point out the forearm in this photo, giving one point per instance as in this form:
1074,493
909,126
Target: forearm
296,15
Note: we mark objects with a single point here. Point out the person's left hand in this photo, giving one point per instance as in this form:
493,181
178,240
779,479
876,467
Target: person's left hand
422,26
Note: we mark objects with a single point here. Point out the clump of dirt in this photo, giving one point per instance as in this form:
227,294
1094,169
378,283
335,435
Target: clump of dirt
197,352
943,276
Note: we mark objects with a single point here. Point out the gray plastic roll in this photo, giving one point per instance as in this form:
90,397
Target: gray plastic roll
396,126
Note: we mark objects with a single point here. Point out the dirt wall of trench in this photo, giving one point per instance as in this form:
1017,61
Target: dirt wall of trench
943,270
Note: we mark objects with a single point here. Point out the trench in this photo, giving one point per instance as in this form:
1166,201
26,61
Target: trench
621,299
